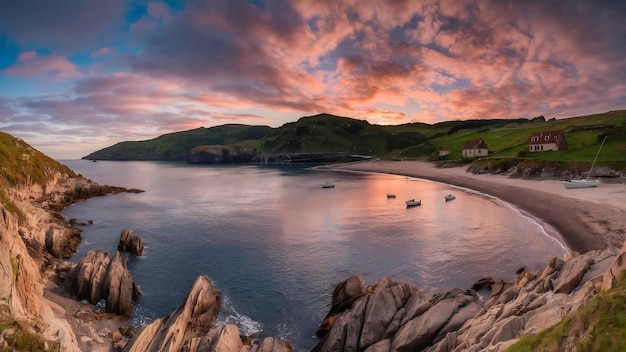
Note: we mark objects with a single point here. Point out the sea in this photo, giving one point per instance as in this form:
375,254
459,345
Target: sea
275,243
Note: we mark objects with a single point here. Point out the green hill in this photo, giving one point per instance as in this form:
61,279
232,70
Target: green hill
178,145
327,133
21,165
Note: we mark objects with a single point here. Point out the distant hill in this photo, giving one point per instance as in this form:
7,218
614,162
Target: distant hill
178,145
325,133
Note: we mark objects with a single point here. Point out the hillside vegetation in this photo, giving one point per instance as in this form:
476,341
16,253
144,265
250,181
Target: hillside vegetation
21,164
598,326
323,133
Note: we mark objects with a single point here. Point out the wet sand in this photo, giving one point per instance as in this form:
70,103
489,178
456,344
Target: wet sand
587,219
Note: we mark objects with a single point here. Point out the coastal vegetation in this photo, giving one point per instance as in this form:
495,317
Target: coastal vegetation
598,326
325,133
23,165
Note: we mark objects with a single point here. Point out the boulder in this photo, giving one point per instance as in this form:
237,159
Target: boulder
97,277
130,243
121,288
572,273
194,318
344,295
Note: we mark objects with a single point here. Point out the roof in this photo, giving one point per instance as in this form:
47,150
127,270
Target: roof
475,144
542,137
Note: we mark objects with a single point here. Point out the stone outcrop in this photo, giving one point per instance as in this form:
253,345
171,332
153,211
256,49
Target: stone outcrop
97,277
392,316
221,154
130,243
191,328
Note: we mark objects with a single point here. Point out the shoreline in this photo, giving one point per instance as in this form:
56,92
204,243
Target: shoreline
586,219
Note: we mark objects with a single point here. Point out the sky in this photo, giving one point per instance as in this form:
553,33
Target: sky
77,76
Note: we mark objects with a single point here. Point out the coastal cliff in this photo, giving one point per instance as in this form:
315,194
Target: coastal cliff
35,241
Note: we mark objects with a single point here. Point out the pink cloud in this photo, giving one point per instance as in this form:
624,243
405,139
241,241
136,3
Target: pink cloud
29,64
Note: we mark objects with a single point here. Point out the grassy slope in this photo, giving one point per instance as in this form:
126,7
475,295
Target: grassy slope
599,326
328,133
178,145
21,164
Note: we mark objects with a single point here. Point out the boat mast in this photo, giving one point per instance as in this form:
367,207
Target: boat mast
594,160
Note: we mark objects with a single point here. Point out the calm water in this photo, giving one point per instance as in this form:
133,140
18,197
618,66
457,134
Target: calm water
275,243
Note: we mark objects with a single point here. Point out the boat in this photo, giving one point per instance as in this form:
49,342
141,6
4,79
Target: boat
413,203
585,182
389,195
449,197
328,185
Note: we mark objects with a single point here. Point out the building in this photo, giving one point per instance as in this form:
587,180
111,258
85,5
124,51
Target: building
545,141
475,148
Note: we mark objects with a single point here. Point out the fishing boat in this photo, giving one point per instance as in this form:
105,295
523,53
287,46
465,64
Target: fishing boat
413,203
389,195
585,182
449,197
328,185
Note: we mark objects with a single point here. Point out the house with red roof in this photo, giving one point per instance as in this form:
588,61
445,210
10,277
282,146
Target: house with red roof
475,148
547,140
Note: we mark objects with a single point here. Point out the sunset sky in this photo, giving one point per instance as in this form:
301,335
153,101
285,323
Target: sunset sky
80,75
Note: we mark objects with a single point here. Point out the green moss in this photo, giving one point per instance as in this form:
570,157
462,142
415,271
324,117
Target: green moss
15,264
599,326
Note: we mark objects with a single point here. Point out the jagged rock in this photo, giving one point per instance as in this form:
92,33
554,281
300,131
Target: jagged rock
192,319
572,273
130,243
222,338
421,331
483,283
120,286
55,241
388,297
98,277
6,271
344,295
91,274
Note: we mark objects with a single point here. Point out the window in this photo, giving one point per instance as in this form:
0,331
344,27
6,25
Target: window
547,138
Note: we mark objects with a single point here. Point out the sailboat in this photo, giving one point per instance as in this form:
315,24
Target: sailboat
585,182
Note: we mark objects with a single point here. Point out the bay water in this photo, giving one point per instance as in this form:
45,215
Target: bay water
275,243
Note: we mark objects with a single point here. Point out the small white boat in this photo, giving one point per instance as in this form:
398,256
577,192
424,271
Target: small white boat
449,197
328,185
413,203
389,195
584,183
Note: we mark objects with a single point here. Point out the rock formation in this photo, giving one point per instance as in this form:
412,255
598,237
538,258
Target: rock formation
191,328
130,243
98,277
221,154
395,316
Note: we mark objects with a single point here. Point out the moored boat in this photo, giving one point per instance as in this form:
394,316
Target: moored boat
328,185
584,183
389,195
449,197
413,203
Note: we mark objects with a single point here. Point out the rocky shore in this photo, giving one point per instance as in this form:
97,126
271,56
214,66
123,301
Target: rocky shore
382,317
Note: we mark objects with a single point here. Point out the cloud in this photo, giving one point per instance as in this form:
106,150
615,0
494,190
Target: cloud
29,64
62,25
201,63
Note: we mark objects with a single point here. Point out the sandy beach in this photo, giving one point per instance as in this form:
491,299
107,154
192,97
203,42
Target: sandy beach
587,219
